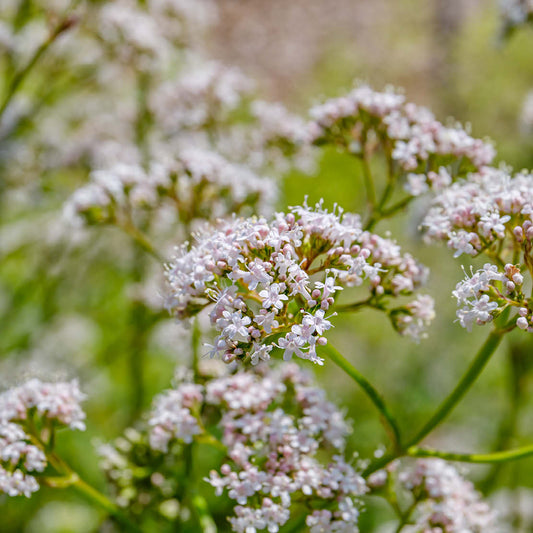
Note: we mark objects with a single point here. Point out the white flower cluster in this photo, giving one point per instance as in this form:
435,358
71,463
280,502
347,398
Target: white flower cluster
273,425
56,404
128,117
277,124
414,319
18,457
23,37
448,502
279,140
172,416
198,183
418,184
257,429
490,208
409,134
484,295
146,34
263,277
202,96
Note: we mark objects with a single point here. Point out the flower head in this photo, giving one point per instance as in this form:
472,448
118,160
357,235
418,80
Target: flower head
420,147
447,502
272,282
27,413
273,423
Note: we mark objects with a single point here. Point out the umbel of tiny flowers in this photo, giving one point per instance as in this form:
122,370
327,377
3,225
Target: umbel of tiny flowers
431,495
203,96
30,414
419,149
213,104
489,213
145,35
273,283
486,293
196,185
273,422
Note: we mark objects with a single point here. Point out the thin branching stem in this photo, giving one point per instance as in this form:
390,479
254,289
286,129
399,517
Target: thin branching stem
494,457
23,73
71,479
388,420
474,370
141,239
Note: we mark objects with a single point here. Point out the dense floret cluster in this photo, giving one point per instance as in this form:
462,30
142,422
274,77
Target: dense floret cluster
145,35
484,294
29,415
203,96
491,210
56,402
491,214
447,502
273,282
199,184
411,137
19,459
273,425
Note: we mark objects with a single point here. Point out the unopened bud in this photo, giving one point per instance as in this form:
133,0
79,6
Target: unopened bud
522,323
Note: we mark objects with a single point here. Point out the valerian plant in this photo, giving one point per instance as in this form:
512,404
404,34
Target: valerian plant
177,149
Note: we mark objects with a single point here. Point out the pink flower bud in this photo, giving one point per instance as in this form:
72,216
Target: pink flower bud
518,279
522,322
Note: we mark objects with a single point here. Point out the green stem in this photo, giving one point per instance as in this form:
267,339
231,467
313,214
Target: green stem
406,516
95,496
21,75
389,188
375,397
140,324
141,239
210,440
201,510
197,502
474,370
90,493
393,209
495,457
137,357
518,371
380,213
356,306
195,348
369,182
144,118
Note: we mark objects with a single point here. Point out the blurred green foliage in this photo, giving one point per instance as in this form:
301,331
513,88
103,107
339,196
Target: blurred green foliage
40,284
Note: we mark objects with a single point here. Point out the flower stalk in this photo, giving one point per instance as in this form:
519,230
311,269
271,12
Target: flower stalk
474,370
387,419
487,458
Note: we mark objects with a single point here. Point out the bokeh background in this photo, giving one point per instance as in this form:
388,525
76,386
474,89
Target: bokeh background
65,310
